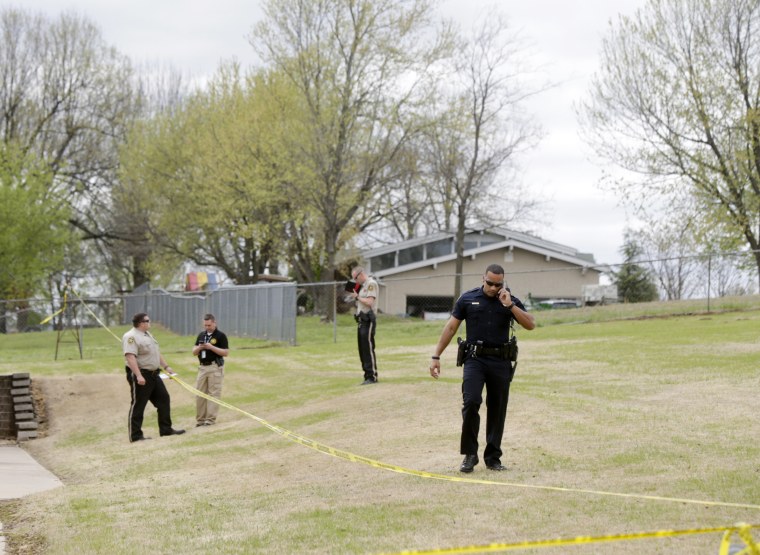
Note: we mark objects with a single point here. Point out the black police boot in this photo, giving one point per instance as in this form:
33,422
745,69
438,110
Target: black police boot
468,464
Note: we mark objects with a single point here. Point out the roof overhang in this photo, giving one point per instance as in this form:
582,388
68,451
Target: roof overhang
510,244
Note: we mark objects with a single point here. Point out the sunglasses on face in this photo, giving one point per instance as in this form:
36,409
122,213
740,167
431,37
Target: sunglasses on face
494,283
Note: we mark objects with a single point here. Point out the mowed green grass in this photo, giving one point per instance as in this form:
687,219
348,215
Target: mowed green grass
654,400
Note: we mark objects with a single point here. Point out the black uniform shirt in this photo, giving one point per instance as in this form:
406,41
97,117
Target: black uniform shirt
486,319
217,339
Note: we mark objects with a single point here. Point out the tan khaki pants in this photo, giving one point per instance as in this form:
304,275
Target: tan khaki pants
210,382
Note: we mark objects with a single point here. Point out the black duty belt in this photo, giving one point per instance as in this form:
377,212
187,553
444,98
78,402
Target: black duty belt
149,370
208,363
489,351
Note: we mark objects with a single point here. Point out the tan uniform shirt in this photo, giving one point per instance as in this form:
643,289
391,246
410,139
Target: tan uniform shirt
369,289
144,346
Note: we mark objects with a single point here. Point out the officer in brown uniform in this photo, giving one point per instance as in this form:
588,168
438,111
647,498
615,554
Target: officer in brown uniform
366,301
144,363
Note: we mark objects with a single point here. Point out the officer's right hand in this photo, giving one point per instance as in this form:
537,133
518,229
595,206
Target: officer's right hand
140,380
435,368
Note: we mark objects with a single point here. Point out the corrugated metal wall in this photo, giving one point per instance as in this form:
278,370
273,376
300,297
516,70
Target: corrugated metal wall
262,311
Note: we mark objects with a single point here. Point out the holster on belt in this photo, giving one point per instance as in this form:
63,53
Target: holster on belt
511,350
462,347
511,356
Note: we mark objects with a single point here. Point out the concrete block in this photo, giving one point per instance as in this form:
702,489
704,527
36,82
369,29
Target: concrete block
22,399
23,436
21,383
24,416
20,391
27,425
23,407
20,375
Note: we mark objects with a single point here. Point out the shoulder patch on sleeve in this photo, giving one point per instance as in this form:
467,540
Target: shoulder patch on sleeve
130,340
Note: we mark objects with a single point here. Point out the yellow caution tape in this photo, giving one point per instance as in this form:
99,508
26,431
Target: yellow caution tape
98,320
393,468
430,475
741,529
57,312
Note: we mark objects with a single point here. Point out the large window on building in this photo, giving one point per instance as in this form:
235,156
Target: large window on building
383,261
410,255
439,248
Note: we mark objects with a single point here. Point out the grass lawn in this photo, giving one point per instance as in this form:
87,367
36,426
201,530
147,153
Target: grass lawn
656,400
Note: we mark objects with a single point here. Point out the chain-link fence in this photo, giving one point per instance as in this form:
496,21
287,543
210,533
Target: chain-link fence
29,315
269,311
430,294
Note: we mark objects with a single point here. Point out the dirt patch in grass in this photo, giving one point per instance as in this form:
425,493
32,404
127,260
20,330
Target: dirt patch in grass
17,541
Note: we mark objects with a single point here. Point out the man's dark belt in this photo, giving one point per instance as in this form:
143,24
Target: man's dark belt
149,370
208,363
490,351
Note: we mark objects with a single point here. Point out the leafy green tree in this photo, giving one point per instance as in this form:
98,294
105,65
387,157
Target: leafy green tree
634,282
222,176
677,102
35,226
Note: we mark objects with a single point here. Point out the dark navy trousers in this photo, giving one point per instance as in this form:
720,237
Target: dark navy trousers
495,374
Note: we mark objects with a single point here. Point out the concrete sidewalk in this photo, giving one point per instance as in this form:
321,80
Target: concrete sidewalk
21,475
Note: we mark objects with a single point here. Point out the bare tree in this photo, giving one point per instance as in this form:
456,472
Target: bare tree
128,249
482,128
361,68
669,247
677,101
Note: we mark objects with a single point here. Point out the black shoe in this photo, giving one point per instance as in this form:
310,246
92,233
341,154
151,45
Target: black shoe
496,467
368,381
174,433
468,464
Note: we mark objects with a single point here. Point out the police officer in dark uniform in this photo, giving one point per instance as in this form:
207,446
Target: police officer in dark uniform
489,311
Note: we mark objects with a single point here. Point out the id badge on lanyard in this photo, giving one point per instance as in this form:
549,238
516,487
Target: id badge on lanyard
205,340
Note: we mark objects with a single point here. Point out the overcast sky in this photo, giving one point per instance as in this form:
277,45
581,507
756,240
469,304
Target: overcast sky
565,35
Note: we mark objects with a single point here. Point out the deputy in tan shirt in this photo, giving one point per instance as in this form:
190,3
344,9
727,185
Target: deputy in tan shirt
144,364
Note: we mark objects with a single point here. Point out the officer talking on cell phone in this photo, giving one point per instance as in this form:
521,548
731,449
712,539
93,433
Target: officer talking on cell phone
489,357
